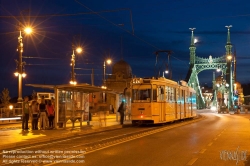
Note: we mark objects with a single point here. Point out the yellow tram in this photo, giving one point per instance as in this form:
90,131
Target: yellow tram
160,100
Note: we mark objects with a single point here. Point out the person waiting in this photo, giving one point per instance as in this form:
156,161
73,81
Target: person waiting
43,115
26,113
35,113
51,114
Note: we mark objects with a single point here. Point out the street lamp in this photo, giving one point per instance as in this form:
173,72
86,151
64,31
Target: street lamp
229,57
73,79
19,63
108,61
166,71
195,41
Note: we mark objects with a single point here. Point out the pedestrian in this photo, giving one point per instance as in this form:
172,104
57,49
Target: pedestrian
112,109
26,113
121,110
51,113
43,115
34,113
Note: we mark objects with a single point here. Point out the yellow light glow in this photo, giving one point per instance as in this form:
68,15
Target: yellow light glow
24,75
195,40
28,30
15,118
16,73
109,61
73,82
104,87
229,57
78,49
10,107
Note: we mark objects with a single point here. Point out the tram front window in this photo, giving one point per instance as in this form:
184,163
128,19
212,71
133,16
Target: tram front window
141,95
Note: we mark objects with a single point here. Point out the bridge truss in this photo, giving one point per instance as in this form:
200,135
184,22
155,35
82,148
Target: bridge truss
199,64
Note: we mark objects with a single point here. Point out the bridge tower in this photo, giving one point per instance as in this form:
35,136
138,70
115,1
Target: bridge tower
198,64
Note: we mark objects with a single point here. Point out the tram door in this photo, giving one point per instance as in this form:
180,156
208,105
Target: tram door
161,103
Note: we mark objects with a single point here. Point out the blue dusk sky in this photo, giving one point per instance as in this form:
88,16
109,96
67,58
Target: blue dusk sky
131,30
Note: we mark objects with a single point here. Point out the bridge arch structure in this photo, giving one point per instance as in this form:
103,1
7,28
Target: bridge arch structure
199,64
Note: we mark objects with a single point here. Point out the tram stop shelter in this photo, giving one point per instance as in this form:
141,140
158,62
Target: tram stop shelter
71,102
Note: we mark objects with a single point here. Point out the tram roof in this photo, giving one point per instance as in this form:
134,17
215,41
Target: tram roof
87,88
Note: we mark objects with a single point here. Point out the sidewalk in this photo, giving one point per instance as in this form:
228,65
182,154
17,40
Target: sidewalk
12,135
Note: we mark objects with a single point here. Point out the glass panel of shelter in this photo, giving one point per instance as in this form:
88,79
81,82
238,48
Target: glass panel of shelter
71,106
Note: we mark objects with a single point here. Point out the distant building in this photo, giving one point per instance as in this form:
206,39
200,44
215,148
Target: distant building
207,93
223,92
238,94
120,78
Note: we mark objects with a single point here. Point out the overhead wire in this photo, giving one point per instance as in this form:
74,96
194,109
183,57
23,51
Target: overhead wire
105,11
120,27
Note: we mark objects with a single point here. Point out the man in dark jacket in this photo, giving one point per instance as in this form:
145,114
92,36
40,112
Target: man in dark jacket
121,110
26,113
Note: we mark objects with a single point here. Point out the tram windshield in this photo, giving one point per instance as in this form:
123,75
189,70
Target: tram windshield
141,94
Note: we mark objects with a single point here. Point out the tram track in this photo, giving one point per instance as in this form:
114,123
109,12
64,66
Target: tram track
97,141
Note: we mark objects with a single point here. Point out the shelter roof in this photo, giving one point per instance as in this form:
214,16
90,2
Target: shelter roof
86,88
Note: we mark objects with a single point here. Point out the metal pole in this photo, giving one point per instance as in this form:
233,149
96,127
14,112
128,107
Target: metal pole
104,72
73,68
20,68
92,77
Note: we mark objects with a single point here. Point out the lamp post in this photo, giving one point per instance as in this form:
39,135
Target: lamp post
104,70
20,64
73,74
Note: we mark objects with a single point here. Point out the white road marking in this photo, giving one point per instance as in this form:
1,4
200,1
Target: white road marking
191,162
203,150
210,144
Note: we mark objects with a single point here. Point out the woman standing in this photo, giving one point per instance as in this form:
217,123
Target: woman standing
51,114
43,116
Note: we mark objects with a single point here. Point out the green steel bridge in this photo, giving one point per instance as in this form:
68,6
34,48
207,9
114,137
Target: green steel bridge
224,63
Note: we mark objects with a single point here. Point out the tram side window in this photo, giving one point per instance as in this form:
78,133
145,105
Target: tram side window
190,97
177,95
167,93
194,98
173,94
182,96
186,97
160,95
